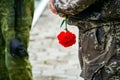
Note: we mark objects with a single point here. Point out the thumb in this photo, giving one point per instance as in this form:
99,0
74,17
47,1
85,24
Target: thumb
52,7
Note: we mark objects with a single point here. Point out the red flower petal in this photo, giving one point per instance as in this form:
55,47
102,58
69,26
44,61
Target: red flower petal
67,38
60,36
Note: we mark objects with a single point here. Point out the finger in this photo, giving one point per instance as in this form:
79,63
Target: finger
52,7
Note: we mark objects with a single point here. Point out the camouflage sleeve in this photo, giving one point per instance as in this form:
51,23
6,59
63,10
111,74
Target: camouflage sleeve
71,7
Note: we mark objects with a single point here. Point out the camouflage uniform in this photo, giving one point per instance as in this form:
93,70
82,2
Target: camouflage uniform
98,22
14,26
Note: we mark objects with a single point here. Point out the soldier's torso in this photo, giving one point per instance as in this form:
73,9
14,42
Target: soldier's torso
99,27
99,47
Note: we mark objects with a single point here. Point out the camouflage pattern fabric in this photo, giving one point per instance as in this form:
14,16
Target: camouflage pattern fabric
72,5
98,22
14,68
99,50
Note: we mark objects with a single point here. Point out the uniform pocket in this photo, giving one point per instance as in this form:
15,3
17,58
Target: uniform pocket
93,43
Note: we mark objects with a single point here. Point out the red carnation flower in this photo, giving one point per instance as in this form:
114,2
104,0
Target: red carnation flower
67,38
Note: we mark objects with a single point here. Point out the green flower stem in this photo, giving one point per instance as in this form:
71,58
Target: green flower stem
66,24
64,21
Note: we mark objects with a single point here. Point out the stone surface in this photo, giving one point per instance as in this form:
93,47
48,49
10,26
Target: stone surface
50,60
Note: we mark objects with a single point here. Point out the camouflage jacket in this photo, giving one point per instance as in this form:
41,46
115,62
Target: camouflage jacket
79,10
99,26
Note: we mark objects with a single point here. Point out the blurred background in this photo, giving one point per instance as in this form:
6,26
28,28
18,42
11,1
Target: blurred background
50,60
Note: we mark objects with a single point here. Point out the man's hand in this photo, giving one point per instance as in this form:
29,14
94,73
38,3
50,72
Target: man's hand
52,7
